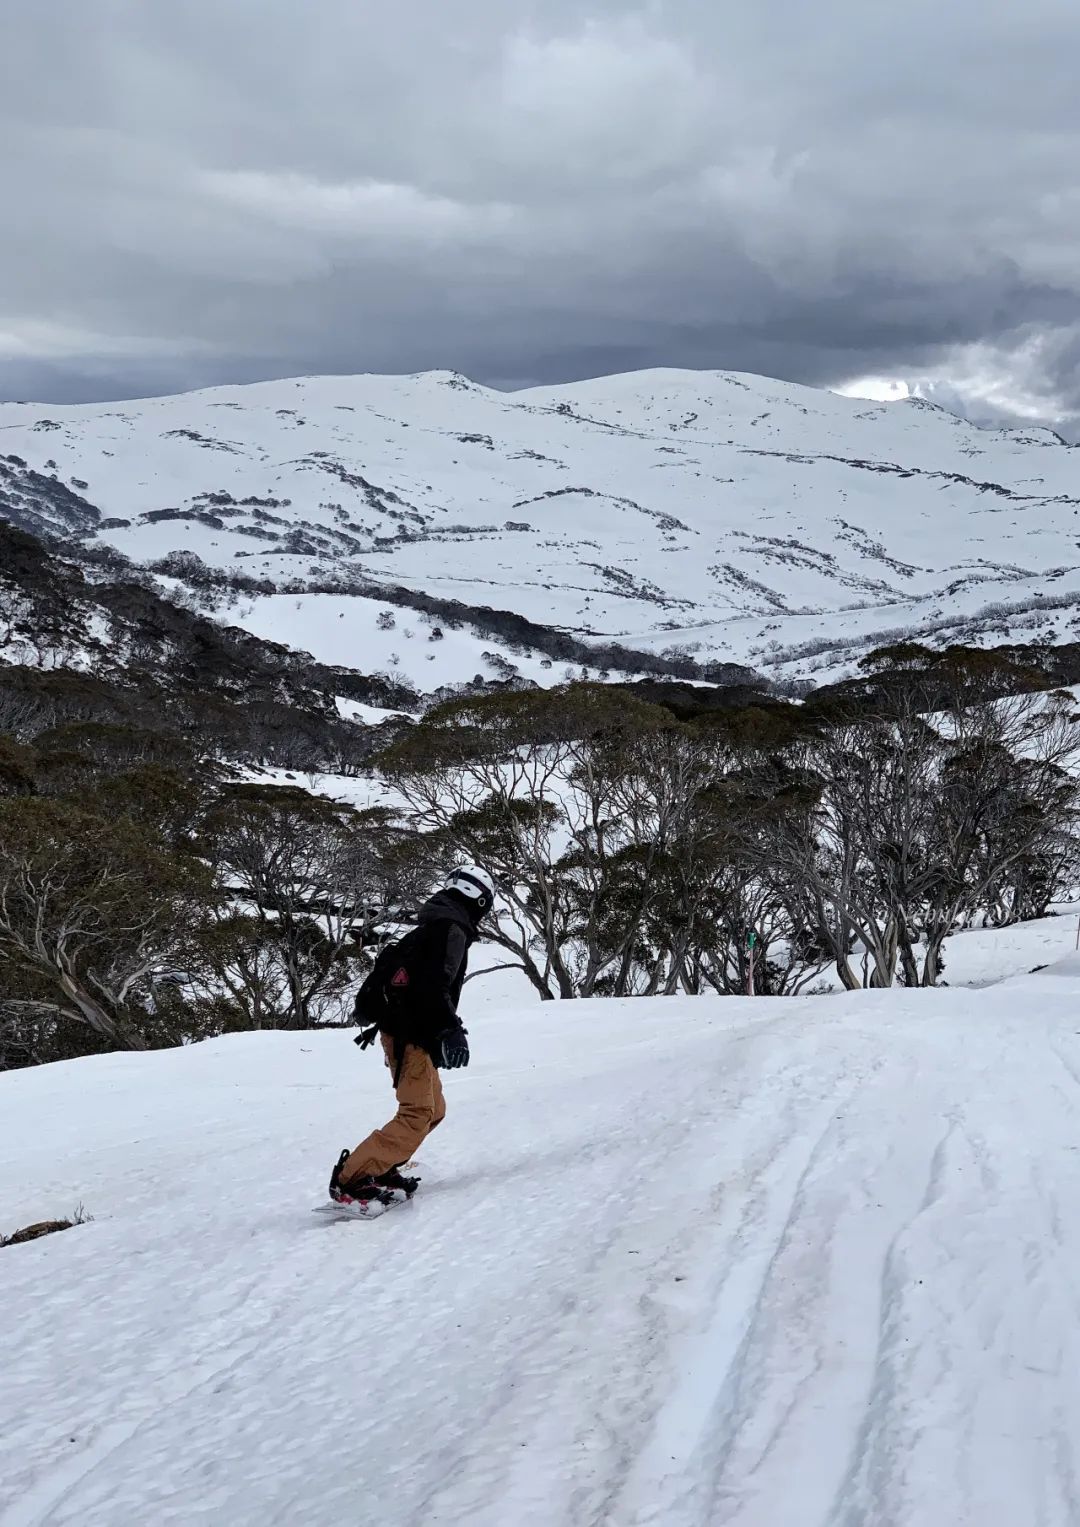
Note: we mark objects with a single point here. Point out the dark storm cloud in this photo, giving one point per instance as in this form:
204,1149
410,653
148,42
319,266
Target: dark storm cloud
536,190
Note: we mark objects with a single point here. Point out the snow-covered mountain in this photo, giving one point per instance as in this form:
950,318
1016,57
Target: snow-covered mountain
748,520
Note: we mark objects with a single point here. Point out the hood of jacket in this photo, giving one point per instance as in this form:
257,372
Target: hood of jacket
449,906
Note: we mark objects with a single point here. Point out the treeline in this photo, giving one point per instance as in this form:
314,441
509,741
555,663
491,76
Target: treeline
637,853
148,899
100,645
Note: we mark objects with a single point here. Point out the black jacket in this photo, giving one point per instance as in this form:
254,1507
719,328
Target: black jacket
437,958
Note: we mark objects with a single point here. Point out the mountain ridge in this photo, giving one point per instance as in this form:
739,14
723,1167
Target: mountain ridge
731,518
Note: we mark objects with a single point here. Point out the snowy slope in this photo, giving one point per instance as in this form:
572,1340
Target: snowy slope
752,520
336,629
804,1264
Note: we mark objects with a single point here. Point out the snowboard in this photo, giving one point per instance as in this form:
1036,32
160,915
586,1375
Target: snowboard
372,1208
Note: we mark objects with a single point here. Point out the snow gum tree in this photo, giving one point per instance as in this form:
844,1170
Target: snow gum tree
941,792
625,844
94,913
305,881
640,854
544,789
151,907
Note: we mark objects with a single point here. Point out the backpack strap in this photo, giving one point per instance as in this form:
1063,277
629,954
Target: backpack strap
367,1038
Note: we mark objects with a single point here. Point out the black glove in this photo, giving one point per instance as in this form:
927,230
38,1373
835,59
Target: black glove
454,1048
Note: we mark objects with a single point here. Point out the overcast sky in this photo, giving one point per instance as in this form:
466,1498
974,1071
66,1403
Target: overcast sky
540,190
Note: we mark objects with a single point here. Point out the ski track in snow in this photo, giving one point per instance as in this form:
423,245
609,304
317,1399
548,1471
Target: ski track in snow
795,1265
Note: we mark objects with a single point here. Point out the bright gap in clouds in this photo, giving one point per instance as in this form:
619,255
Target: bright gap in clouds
881,389
990,388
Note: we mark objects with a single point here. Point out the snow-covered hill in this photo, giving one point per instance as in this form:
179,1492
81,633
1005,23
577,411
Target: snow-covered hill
749,520
690,1262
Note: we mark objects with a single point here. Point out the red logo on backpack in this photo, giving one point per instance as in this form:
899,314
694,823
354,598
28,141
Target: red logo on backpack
400,978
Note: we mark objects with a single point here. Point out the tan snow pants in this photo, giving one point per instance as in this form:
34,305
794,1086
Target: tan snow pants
421,1108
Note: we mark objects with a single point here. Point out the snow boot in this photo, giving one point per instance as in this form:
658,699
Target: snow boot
359,1190
335,1175
393,1179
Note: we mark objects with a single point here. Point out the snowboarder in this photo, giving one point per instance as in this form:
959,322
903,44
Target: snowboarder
410,1001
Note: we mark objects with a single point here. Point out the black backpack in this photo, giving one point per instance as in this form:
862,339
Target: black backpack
402,996
390,979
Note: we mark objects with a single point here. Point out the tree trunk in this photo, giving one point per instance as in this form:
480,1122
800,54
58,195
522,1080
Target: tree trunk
850,980
932,959
96,1016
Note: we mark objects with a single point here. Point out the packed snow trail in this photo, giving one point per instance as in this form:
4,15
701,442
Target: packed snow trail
803,1264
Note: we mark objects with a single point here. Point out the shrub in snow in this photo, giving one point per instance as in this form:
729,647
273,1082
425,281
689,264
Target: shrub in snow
35,1232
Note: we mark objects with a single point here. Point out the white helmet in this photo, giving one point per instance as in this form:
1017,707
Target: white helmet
475,884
